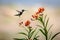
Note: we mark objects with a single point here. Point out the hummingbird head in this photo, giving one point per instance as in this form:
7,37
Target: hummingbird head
23,10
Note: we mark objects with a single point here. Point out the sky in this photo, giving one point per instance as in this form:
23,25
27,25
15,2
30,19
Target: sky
31,2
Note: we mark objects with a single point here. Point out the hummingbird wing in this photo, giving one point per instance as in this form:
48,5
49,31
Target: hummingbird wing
17,11
17,15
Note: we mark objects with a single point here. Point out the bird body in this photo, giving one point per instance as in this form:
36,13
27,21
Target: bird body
20,12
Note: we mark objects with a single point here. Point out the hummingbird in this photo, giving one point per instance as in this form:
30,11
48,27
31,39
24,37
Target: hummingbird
20,12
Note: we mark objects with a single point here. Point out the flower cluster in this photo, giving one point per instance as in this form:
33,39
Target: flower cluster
35,16
38,13
27,23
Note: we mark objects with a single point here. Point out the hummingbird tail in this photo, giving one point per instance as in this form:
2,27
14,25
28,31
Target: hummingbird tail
16,15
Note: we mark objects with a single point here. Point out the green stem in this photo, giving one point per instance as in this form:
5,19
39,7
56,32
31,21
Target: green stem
29,32
45,29
46,33
46,36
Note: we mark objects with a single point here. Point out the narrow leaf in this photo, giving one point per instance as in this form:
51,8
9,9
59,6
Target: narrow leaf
20,39
41,20
42,32
50,27
26,29
55,35
47,22
23,33
36,35
31,34
45,18
35,39
39,26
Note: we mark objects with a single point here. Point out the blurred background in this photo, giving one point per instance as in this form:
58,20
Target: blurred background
9,23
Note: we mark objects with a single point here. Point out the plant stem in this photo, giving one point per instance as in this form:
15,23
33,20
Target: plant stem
45,29
46,33
46,38
29,32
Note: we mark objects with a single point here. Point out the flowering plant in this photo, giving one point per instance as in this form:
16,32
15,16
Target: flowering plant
42,28
44,24
30,32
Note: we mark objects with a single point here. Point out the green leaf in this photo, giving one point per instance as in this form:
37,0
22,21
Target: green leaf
39,26
50,27
45,18
23,33
35,39
30,28
26,29
20,39
42,32
46,32
35,36
47,22
16,39
31,33
55,35
41,20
